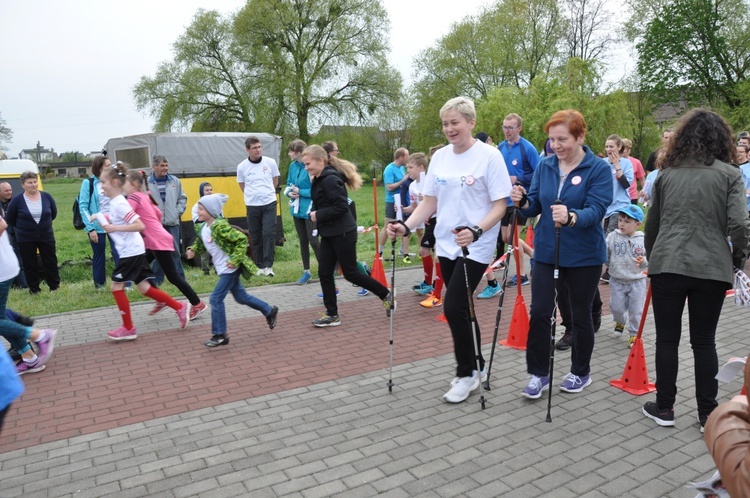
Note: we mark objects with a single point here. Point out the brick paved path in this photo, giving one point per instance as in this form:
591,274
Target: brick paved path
300,411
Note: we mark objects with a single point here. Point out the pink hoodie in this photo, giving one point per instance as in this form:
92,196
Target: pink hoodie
155,236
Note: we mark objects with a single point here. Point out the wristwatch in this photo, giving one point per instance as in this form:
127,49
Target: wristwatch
477,231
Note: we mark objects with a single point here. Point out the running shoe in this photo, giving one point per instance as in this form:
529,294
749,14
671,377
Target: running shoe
217,340
362,292
320,294
432,301
462,388
663,417
490,292
514,280
184,314
619,327
157,308
26,368
271,318
535,387
122,334
574,384
327,321
306,276
390,307
46,345
631,341
196,310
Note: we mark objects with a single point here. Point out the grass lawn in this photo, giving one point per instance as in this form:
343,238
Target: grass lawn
74,257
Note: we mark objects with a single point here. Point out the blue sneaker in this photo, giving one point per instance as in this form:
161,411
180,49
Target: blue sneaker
423,285
490,292
304,278
320,294
362,292
425,290
575,384
537,385
514,280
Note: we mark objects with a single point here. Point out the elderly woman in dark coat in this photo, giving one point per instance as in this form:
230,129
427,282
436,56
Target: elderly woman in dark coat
30,213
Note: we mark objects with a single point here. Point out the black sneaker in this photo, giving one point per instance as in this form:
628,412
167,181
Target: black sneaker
217,340
565,342
271,318
664,418
327,321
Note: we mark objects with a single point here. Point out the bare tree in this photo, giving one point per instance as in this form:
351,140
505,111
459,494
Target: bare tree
6,134
590,31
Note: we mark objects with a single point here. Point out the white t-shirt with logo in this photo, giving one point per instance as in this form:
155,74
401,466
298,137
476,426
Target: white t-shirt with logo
258,180
465,186
219,257
128,244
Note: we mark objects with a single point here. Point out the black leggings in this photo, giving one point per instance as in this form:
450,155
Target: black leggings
342,249
306,239
704,299
172,274
456,307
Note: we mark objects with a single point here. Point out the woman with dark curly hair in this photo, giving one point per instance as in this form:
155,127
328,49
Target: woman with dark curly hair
696,230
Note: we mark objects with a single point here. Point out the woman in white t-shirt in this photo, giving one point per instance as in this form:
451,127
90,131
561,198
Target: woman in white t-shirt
467,185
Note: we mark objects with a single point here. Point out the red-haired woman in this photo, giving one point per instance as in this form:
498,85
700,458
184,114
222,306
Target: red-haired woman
583,184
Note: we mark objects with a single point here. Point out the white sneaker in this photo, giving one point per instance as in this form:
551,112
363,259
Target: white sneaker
461,390
484,376
260,272
269,272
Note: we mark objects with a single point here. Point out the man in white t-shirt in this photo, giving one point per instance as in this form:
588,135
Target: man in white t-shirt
258,177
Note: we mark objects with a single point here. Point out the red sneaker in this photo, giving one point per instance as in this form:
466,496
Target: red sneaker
197,310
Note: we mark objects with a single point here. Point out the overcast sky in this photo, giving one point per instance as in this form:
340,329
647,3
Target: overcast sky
68,67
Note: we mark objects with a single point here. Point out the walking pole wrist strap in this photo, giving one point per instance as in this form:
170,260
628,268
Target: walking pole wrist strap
407,230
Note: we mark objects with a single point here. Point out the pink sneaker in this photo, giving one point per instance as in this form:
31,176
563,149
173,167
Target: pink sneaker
197,310
157,308
27,368
46,345
122,334
184,315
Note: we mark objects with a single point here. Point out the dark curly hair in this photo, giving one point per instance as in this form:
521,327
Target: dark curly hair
700,136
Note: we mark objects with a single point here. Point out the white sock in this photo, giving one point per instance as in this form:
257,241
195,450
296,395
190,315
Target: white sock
32,360
42,336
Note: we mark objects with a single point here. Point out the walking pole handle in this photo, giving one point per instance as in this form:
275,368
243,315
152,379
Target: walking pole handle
558,202
464,249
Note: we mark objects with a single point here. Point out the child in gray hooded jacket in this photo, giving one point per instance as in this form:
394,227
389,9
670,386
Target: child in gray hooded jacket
627,266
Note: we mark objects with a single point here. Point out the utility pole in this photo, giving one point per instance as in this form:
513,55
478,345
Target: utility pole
38,153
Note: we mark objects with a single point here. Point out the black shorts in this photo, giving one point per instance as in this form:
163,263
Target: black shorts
520,219
133,269
428,239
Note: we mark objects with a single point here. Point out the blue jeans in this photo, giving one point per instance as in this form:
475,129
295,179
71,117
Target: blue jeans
156,267
17,335
230,282
99,261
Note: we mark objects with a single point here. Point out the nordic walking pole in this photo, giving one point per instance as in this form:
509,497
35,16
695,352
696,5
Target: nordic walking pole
553,320
472,318
393,312
514,220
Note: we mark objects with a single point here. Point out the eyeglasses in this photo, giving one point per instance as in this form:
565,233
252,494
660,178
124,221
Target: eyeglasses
509,128
335,150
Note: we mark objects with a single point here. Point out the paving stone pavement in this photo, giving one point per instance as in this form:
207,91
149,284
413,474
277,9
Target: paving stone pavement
299,411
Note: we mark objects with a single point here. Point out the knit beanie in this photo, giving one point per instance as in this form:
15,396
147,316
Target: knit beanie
214,204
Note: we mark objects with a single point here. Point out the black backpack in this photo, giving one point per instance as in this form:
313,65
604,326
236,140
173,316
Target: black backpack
78,223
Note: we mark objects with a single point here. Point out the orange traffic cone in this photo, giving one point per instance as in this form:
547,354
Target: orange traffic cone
441,318
519,326
378,273
530,236
634,379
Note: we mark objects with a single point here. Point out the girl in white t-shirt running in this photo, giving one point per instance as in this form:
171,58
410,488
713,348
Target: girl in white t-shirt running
467,185
123,224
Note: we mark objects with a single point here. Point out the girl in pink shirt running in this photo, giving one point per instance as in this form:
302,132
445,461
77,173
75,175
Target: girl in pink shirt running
159,243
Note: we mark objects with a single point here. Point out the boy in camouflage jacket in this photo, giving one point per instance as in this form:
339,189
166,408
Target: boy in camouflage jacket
228,249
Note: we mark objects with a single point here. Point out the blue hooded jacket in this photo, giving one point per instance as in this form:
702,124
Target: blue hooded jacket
587,191
300,178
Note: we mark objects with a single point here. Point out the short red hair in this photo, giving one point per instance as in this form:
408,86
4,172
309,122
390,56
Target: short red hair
570,118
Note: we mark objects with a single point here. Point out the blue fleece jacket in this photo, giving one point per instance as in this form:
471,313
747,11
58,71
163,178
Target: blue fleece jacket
586,191
300,178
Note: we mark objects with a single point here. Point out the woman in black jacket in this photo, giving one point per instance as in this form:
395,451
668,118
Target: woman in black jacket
337,229
30,214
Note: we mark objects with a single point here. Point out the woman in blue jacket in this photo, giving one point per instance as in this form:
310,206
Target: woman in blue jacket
298,188
583,184
30,214
91,200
